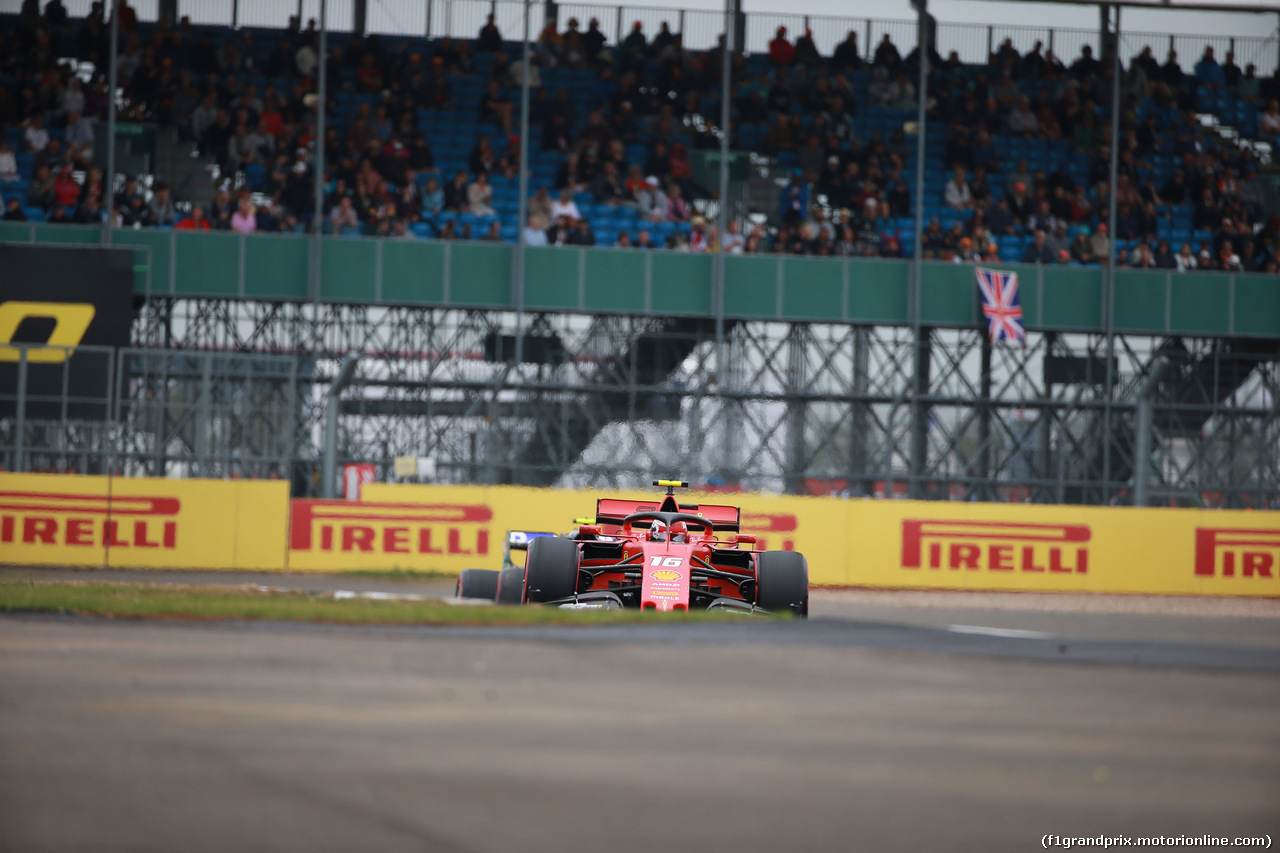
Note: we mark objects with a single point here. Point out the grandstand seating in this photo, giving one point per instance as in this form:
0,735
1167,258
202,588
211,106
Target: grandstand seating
451,132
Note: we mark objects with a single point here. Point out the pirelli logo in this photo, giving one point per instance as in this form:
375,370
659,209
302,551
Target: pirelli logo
1237,552
344,526
55,518
995,546
774,531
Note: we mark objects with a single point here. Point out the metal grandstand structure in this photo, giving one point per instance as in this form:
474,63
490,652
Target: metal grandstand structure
220,388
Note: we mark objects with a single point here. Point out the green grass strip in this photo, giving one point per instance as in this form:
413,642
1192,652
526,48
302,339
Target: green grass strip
219,603
396,574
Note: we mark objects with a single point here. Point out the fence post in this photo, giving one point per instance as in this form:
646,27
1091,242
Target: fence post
617,37
682,26
1142,451
990,44
206,415
429,3
329,462
20,413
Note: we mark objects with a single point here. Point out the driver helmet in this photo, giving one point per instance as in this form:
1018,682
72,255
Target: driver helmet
658,531
679,531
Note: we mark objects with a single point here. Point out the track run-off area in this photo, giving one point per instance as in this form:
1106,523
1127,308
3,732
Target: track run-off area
888,721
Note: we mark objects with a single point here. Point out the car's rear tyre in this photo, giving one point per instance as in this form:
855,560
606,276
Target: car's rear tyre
551,570
511,586
477,583
782,583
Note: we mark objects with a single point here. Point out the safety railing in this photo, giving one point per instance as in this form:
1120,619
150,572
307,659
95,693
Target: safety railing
700,28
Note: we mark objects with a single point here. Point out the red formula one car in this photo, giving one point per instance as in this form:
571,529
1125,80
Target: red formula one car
662,555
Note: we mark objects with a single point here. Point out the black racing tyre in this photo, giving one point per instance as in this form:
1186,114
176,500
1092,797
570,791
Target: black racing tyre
782,583
551,569
511,586
477,583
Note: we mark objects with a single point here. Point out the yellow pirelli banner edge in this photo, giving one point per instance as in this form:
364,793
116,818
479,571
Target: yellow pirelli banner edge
252,525
143,522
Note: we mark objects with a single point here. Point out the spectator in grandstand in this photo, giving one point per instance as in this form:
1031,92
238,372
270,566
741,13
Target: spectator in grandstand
1142,258
565,207
733,241
1163,257
956,194
1208,71
1058,240
1022,121
1249,87
880,93
902,94
581,234
480,195
79,138
496,107
534,233
623,241
13,210
35,134
633,47
455,192
964,252
55,14
606,188
41,192
846,56
560,232
66,192
807,52
1100,244
678,209
934,240
652,202
90,212
781,51
1269,125
886,55
490,39
1229,261
8,163
1082,247
343,219
245,219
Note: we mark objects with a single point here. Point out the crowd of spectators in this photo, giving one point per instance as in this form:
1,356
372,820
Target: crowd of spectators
849,189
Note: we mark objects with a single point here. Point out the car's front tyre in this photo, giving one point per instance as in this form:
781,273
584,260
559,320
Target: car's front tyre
551,570
782,583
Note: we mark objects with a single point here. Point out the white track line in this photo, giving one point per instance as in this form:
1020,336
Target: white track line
1013,633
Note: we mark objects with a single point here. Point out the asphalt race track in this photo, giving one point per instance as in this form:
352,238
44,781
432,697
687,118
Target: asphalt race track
887,722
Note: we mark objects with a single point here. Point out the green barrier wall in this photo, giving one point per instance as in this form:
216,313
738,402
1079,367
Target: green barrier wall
622,281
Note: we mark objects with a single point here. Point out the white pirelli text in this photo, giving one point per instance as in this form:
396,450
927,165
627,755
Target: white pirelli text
1107,841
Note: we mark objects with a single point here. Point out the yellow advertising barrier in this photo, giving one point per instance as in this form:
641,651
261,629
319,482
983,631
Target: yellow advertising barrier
890,544
1034,547
219,524
52,519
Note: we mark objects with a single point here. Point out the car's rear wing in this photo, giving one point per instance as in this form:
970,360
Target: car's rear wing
518,540
613,510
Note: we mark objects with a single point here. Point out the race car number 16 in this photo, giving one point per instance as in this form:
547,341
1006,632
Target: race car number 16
667,562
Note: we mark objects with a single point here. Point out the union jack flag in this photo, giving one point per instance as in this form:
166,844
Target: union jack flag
1001,305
